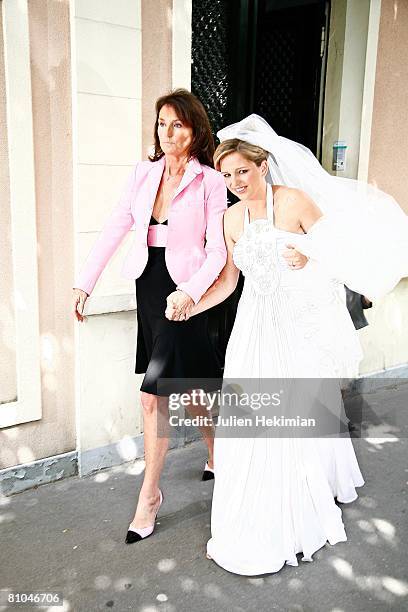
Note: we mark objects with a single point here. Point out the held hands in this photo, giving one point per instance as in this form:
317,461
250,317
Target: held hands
179,306
294,259
78,300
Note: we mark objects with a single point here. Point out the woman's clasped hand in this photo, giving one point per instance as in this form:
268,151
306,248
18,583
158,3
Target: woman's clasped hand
179,306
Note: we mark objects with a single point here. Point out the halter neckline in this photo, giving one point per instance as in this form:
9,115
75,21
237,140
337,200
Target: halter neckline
269,208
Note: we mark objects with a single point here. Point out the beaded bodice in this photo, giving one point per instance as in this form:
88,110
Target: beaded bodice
256,251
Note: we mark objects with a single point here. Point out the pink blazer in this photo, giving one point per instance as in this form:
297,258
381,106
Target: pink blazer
195,252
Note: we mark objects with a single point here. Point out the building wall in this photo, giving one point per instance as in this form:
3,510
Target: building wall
385,342
114,126
8,372
54,433
345,81
97,67
366,82
389,151
156,63
107,99
90,128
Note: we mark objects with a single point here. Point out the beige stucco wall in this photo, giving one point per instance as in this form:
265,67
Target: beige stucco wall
351,74
8,372
385,341
345,81
114,127
333,85
107,92
389,150
51,93
156,61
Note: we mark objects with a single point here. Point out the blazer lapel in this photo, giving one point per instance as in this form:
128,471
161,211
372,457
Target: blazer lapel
154,179
193,168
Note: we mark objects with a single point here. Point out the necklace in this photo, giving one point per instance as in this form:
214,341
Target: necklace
173,176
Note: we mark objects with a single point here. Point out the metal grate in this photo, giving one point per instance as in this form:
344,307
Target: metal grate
210,79
276,77
211,83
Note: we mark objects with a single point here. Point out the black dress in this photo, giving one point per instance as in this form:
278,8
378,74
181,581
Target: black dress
171,350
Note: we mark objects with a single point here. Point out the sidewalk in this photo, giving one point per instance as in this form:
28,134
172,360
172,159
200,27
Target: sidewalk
69,537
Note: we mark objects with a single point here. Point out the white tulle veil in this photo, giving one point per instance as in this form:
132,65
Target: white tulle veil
362,238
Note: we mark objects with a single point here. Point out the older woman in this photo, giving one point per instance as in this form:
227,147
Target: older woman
176,202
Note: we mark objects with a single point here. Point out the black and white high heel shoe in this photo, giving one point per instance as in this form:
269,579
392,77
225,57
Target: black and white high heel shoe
135,535
208,473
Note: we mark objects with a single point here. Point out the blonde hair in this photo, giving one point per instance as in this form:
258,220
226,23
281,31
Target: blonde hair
234,145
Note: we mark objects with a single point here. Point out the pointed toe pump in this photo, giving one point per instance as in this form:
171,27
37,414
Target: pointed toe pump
208,473
135,535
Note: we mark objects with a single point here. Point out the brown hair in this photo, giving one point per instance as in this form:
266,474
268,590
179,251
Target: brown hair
190,110
234,145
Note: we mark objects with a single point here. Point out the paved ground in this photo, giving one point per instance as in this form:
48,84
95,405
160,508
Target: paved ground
68,537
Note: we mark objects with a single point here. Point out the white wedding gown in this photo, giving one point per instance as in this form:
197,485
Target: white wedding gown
274,496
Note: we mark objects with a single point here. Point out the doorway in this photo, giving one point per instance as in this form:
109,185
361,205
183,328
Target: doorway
266,57
289,62
262,56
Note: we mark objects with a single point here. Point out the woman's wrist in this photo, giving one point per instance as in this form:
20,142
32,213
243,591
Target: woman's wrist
193,310
186,295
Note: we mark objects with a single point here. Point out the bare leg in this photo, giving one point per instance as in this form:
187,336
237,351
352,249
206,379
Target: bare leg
156,442
207,431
